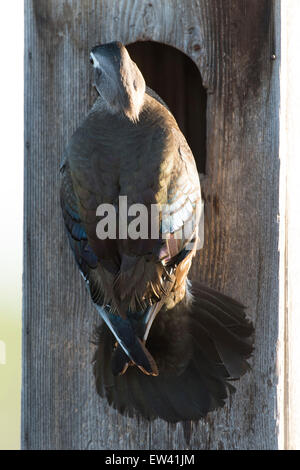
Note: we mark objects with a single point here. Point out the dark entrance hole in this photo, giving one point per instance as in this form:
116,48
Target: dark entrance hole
176,78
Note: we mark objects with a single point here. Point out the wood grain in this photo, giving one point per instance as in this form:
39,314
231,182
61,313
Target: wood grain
231,42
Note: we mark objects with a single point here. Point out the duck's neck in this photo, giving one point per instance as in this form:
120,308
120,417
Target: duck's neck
132,96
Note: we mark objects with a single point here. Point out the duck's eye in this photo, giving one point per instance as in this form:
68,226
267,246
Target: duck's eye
91,60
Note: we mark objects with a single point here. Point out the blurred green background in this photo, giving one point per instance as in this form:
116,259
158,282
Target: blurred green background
10,372
11,219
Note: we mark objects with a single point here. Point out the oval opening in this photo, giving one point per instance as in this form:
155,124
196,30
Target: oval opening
176,78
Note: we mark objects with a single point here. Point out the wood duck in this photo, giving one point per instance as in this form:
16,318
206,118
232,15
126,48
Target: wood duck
168,347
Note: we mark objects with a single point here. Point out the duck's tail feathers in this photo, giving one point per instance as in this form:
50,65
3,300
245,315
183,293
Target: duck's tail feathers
199,349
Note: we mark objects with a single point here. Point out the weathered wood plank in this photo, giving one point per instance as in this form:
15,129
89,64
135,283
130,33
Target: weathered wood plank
231,41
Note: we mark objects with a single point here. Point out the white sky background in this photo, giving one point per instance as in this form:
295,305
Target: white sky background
11,217
11,154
